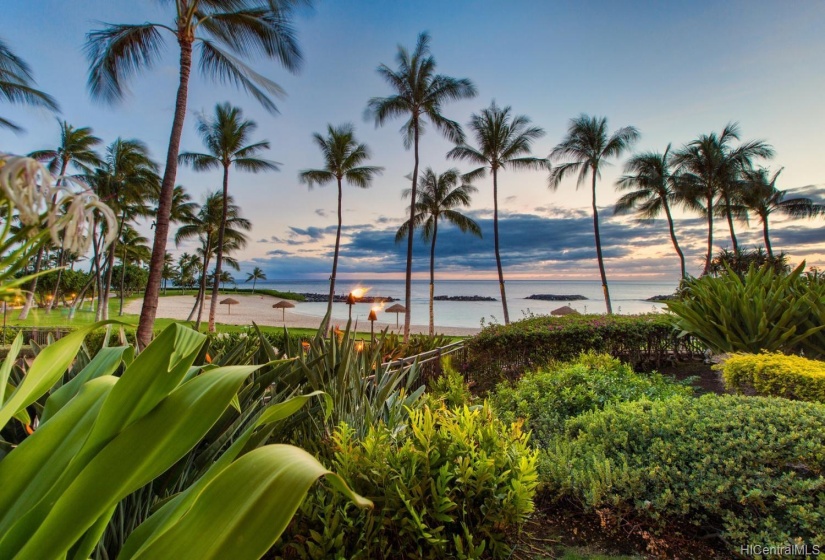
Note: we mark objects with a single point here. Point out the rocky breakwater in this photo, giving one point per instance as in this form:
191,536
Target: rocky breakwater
464,298
323,298
556,297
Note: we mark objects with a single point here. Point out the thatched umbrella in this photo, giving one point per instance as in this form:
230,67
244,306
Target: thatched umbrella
564,310
397,308
283,305
230,302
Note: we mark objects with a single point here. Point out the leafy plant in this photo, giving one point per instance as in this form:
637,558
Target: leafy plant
450,387
776,375
762,310
450,485
745,469
102,437
545,399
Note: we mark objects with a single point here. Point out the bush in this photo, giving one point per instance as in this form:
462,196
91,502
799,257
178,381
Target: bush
762,310
545,399
450,485
501,352
748,469
776,375
450,387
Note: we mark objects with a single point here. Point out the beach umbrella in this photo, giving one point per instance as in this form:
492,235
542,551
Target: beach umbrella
397,308
283,305
230,302
564,310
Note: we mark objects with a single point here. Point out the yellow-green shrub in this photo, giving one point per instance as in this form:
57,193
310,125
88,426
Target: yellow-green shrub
450,484
777,375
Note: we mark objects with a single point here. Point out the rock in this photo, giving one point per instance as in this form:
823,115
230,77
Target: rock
321,298
464,298
556,297
661,298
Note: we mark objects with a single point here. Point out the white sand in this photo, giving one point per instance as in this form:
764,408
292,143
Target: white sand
258,308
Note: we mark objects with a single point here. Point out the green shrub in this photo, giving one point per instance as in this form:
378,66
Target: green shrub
450,387
776,375
501,352
761,310
749,469
545,399
450,485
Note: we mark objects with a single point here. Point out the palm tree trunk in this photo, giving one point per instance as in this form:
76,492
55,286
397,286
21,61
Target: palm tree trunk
213,305
408,275
122,280
599,256
325,324
432,276
202,287
730,225
498,254
150,298
673,237
24,313
62,253
254,281
111,267
709,255
767,236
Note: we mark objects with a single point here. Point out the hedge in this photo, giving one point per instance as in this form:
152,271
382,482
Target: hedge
505,352
777,375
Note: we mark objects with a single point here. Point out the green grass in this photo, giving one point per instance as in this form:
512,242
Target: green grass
265,291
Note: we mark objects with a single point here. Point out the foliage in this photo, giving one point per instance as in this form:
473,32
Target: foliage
450,387
450,485
500,352
762,310
546,398
748,469
135,279
101,437
740,261
776,375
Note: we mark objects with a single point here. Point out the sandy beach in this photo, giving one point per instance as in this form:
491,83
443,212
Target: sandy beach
258,308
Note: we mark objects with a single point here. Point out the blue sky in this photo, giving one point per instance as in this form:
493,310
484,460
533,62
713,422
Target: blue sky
672,69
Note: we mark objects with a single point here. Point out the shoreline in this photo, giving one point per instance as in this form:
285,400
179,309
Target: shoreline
258,308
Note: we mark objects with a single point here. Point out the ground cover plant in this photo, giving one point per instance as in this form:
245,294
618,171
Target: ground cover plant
775,374
740,469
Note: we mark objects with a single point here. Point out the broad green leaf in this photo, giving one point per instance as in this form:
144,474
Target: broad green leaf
244,510
105,362
142,451
8,363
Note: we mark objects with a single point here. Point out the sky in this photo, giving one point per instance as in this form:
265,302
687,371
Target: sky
674,70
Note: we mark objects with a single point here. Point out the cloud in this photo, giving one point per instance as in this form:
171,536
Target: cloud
511,198
321,212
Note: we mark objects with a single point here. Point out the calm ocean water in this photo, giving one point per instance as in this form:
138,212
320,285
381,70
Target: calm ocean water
627,297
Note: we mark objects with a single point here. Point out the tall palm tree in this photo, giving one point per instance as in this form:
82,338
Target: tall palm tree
589,146
419,94
437,200
343,157
133,248
504,142
653,189
169,270
256,274
204,226
17,85
188,266
76,149
710,169
763,198
226,137
225,32
125,181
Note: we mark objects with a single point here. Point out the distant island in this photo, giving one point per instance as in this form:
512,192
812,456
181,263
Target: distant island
322,298
464,298
556,297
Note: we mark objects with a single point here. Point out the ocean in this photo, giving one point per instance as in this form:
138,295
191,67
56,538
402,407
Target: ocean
628,297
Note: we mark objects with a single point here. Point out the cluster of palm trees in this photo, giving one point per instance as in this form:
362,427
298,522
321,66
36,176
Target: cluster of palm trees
709,175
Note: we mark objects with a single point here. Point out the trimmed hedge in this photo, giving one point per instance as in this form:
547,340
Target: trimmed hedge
505,352
746,469
777,375
546,398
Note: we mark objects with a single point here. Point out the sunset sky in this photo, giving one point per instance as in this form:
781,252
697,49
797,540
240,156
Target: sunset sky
672,69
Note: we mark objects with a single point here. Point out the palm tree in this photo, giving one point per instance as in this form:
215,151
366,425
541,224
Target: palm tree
124,181
17,85
225,137
710,169
169,270
419,95
653,188
588,145
763,199
343,157
256,274
503,143
133,249
188,266
438,199
225,32
76,149
204,226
